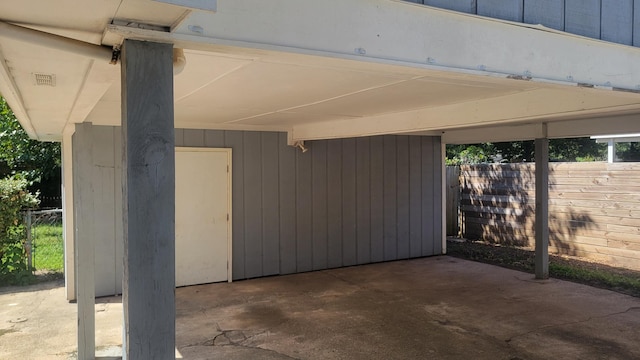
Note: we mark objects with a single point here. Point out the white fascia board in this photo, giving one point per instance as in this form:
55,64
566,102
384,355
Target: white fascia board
617,138
554,130
11,93
595,125
415,34
402,33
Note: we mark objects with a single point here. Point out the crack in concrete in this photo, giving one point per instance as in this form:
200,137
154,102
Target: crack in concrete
236,338
572,323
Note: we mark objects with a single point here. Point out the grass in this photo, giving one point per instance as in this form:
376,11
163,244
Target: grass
597,277
625,281
48,248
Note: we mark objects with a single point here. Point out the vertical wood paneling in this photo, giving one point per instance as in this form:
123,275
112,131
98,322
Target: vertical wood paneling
467,6
319,185
402,176
287,196
193,137
270,200
105,247
235,140
436,219
582,17
179,137
617,21
363,199
349,233
304,208
549,13
334,203
252,164
103,180
427,196
119,230
214,138
345,202
636,23
390,199
500,9
415,196
377,198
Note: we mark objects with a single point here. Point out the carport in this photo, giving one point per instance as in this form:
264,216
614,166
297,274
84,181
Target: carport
228,74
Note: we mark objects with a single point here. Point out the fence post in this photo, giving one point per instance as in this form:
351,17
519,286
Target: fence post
28,244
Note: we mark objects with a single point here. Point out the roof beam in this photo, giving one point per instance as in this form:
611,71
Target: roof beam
527,106
557,129
402,33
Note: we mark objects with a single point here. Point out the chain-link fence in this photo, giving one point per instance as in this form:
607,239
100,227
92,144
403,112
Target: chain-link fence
44,243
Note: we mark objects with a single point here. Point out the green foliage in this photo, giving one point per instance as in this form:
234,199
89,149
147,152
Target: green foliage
31,159
473,154
13,198
469,154
578,149
628,151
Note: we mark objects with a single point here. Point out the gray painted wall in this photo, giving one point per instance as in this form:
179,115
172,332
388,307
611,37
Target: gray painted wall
610,20
344,202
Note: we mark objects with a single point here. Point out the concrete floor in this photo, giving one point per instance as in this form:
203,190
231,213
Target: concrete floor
433,308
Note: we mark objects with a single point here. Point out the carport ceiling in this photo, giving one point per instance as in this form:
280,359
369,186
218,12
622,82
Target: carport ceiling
318,69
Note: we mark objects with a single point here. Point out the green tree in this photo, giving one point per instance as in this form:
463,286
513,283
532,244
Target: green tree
628,151
575,149
34,160
14,197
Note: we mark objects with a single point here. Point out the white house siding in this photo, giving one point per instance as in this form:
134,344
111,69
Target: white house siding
343,202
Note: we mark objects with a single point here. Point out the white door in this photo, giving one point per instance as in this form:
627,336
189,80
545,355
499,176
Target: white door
203,215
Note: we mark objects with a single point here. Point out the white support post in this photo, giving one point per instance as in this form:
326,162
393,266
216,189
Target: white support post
542,208
84,240
148,148
611,151
443,173
67,212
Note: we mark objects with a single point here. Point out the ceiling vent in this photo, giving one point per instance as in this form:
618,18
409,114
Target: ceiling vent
44,79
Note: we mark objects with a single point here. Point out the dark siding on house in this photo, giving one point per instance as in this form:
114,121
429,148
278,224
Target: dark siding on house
343,202
609,20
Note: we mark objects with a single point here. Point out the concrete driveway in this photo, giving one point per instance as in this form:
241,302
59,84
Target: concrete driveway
432,308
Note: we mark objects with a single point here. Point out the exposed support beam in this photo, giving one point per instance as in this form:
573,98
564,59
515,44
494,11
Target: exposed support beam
527,106
148,200
84,241
542,208
403,33
556,129
68,213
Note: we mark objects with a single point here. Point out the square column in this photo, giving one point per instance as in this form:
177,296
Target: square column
83,240
542,208
148,200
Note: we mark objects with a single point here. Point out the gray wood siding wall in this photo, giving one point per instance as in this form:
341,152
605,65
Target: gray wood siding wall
343,202
610,20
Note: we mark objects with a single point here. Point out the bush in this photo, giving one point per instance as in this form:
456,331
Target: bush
13,258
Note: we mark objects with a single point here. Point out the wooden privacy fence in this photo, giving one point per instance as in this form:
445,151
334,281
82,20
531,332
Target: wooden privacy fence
594,208
453,200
